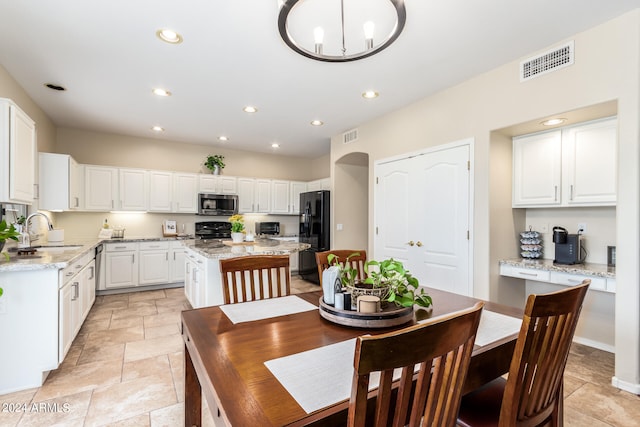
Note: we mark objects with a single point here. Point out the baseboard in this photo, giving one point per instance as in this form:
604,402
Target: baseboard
595,344
623,385
100,292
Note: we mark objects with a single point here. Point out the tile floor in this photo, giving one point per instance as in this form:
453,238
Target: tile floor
125,368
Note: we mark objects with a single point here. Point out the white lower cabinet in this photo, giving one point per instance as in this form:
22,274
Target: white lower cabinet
147,263
293,258
176,262
76,297
154,263
121,264
202,281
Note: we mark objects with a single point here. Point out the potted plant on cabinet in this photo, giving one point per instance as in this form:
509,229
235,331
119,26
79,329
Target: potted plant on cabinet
215,163
237,228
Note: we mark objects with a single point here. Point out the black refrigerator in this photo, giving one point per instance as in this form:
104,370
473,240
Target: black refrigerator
315,230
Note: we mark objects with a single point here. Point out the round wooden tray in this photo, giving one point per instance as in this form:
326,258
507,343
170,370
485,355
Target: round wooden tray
391,315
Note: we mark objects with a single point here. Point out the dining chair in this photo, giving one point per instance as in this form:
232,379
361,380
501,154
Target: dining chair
440,348
255,277
356,261
532,393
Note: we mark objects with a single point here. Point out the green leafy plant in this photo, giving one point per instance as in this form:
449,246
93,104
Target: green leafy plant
348,274
237,223
404,289
213,161
7,232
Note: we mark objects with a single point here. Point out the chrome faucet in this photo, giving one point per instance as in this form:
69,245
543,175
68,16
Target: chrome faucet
27,222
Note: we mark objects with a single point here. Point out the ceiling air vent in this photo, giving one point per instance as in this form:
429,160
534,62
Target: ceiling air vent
547,62
350,136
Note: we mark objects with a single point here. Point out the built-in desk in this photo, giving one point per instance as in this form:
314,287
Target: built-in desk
603,277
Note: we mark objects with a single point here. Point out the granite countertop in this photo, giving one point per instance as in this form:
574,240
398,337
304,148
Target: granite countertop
585,269
217,249
57,255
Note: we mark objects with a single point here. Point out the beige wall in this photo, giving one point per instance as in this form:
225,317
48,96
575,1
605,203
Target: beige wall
606,68
352,172
128,151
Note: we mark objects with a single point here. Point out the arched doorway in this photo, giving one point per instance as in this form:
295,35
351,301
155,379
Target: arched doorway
351,202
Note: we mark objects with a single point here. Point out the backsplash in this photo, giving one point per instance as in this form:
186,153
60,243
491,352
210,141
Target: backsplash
87,224
600,228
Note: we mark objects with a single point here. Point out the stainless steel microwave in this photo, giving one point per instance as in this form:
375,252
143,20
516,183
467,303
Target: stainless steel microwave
217,204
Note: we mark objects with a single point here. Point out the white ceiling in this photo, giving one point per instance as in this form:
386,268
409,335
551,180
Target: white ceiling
107,56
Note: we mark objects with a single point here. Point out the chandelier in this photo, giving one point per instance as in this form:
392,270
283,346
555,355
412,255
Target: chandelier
340,30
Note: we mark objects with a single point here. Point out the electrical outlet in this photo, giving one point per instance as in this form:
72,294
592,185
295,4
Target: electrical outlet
339,227
582,226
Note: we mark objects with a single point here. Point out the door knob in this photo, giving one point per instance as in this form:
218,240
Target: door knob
419,244
411,243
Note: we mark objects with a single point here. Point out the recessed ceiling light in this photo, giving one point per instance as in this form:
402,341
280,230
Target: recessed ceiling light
157,129
553,122
169,36
223,138
55,87
250,109
317,122
370,94
161,92
275,145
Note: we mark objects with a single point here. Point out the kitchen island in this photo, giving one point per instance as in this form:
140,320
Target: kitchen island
203,281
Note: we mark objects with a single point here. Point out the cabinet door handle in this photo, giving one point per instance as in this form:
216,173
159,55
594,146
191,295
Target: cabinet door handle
133,259
419,244
410,243
77,202
93,272
188,268
174,256
120,247
75,291
555,193
166,256
571,192
111,203
528,274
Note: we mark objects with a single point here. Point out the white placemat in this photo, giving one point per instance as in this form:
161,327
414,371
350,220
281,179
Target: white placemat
317,378
494,326
265,309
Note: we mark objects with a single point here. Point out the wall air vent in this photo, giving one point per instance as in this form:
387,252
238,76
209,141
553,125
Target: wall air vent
350,136
547,62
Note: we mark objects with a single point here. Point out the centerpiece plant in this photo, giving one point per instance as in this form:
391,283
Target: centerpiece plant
403,289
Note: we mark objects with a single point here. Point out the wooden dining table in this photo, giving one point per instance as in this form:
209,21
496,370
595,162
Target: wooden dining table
225,362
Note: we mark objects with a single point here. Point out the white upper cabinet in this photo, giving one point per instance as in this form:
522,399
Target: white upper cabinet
185,192
101,188
537,169
160,191
133,190
573,166
263,196
17,154
60,182
319,184
280,197
591,169
218,184
246,194
296,189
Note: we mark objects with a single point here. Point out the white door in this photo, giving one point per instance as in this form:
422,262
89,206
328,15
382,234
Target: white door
442,226
246,194
280,193
101,186
154,267
422,217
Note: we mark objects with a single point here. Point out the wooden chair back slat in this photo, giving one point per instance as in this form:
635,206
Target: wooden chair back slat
256,277
533,392
441,350
356,261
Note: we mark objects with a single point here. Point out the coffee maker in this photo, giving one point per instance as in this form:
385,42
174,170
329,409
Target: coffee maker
568,247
